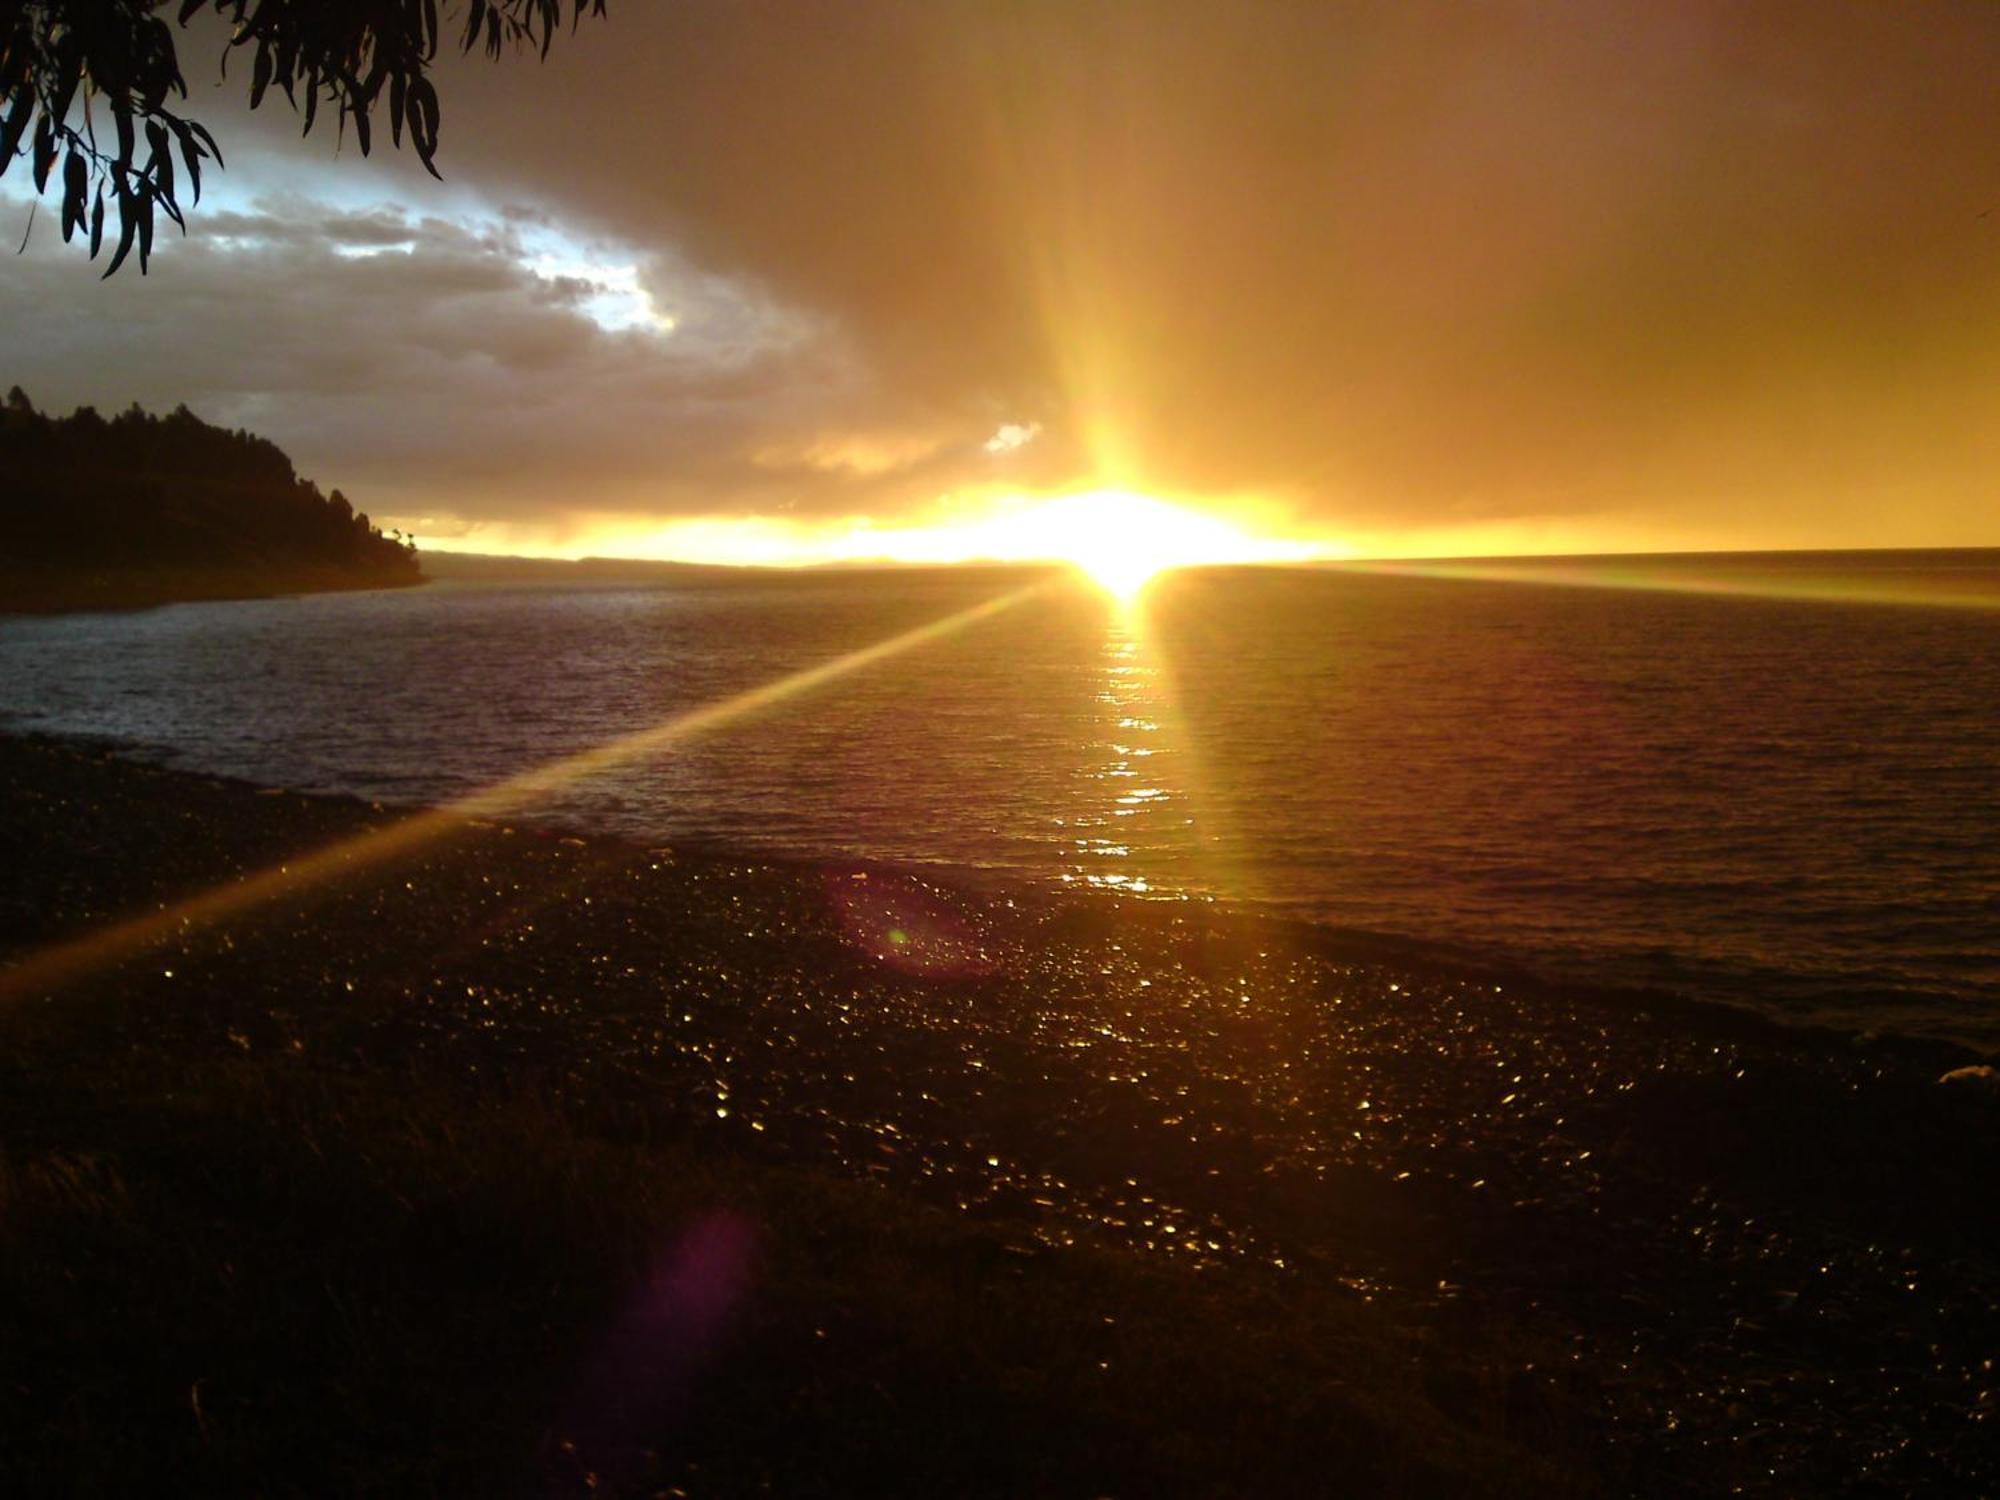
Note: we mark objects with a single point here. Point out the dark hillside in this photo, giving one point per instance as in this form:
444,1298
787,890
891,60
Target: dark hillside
143,509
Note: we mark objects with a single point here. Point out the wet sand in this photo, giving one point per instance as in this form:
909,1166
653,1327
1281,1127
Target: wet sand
1750,1259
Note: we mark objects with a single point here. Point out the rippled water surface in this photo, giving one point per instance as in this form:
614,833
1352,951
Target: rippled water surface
1788,803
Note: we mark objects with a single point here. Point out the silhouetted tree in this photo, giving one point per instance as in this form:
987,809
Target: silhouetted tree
93,79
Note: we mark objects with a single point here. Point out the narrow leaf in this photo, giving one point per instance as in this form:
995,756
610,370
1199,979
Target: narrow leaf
190,157
424,122
76,187
15,125
207,141
162,164
45,151
70,74
127,228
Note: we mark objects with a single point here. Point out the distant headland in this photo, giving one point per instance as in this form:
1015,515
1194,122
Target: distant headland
139,510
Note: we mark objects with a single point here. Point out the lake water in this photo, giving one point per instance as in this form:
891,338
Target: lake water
1719,786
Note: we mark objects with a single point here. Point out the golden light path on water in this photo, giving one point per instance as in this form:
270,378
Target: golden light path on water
1151,770
62,963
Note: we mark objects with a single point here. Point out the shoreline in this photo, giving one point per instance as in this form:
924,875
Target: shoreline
1702,1227
1437,958
43,595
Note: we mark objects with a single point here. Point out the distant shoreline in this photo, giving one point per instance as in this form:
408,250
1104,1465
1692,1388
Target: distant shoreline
48,592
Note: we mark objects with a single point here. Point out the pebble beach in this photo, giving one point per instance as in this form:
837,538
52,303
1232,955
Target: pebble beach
1745,1258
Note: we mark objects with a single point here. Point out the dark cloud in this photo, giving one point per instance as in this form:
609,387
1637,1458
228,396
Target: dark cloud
1712,270
429,366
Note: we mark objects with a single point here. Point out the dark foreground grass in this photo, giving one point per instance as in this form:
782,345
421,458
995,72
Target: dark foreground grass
259,1278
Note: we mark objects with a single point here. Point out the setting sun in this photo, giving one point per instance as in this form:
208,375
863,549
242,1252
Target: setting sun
1123,540
1118,538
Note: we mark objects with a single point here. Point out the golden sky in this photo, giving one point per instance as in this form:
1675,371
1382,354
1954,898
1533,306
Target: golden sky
779,279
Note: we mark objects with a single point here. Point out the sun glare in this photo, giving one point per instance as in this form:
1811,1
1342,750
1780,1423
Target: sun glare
1118,538
1123,540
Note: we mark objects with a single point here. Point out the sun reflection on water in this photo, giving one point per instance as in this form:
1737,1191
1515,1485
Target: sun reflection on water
1131,748
1143,820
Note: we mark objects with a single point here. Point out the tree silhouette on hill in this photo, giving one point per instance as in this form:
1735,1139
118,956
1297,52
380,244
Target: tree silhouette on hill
174,500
